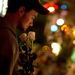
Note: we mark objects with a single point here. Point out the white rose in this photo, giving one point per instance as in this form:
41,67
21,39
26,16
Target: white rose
31,35
23,37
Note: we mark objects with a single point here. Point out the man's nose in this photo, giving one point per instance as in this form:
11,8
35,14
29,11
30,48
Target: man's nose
31,24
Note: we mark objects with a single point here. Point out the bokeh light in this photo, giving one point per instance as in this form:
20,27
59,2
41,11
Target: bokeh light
56,48
60,21
64,6
65,28
54,28
74,42
51,9
74,33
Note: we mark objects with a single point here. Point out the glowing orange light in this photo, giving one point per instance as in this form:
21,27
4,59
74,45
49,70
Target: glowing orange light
74,33
65,28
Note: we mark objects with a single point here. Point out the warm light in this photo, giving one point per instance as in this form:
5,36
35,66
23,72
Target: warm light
56,48
51,9
74,42
60,22
65,28
74,33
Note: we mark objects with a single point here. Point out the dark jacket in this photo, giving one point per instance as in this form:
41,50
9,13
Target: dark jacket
9,50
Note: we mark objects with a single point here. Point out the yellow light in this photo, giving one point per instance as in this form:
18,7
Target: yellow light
74,42
74,33
51,9
65,28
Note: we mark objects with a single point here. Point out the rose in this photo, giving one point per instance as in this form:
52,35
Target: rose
23,37
28,39
31,35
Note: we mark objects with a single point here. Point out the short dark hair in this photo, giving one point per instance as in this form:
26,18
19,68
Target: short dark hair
13,6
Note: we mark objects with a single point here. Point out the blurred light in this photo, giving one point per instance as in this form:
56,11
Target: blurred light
56,48
65,28
74,42
51,6
73,33
54,28
64,6
60,22
51,9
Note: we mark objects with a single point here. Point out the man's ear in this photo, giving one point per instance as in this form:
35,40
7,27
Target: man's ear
21,11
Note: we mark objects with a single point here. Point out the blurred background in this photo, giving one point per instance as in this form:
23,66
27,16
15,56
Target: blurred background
55,38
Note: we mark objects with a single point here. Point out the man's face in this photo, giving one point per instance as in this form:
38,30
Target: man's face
27,19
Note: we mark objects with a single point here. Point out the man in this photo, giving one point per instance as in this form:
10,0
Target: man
16,12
